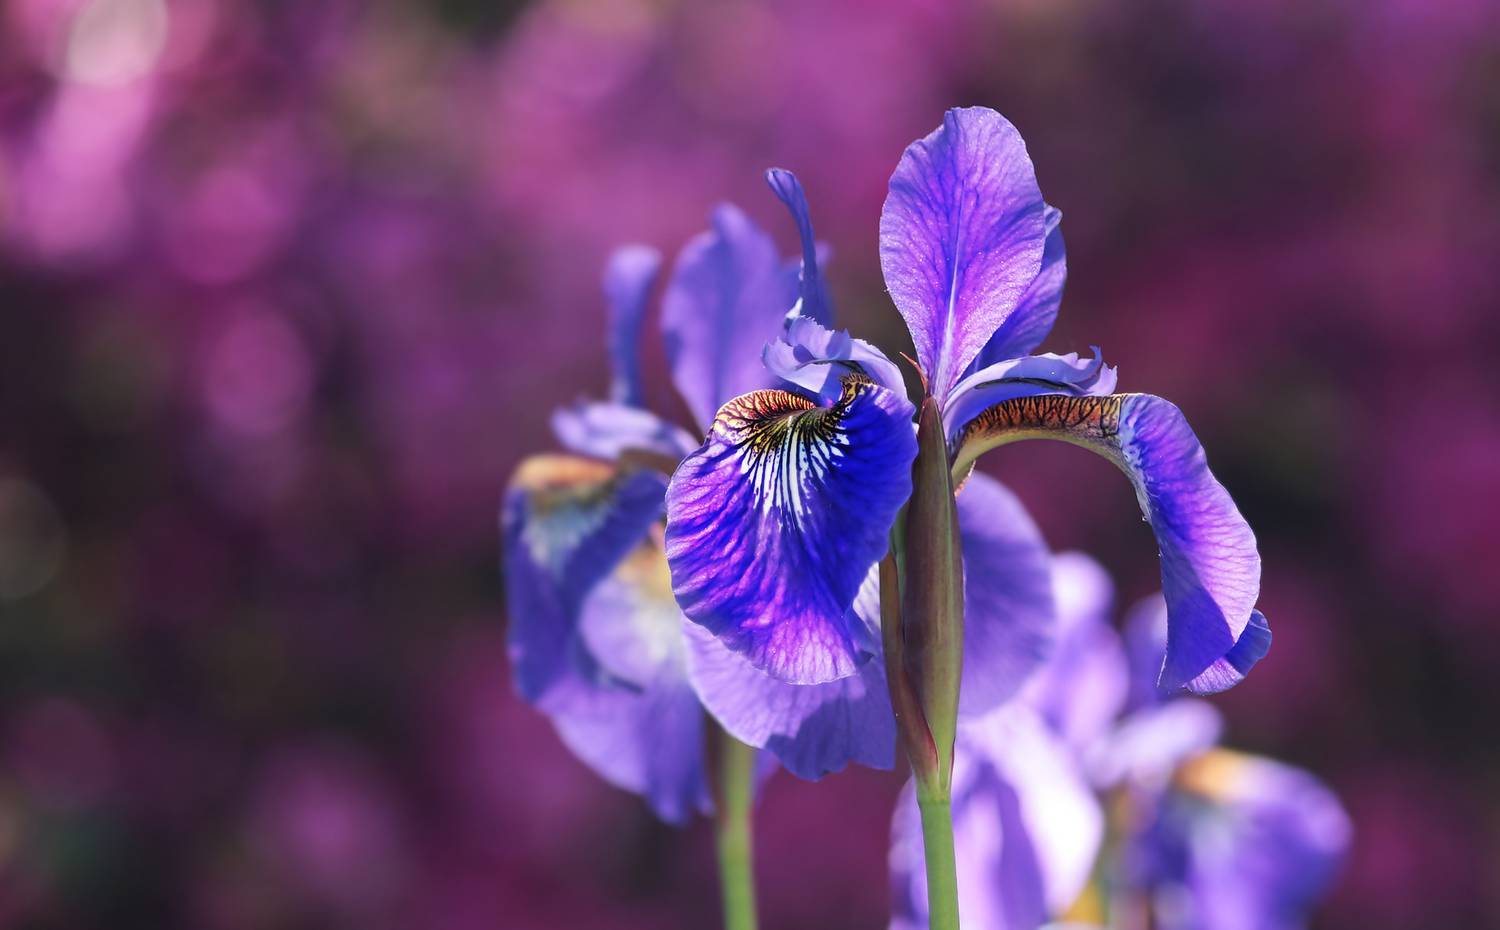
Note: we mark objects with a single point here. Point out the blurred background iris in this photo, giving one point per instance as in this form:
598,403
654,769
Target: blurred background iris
288,289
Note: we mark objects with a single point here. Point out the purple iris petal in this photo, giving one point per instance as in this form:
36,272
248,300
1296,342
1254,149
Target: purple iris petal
1150,743
727,295
1033,317
811,729
640,726
628,277
1210,569
1026,828
816,358
961,238
1083,685
1265,848
607,430
812,289
566,524
774,523
1008,606
1027,376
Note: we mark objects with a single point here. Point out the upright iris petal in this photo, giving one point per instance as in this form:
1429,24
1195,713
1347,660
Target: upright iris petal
1210,568
774,523
1034,315
812,289
962,235
628,277
567,522
728,293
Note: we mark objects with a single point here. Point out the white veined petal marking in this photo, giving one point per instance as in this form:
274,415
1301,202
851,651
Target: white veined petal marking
785,443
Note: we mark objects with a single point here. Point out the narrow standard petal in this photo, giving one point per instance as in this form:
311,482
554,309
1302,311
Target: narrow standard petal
775,522
818,359
628,277
961,238
1026,827
726,297
639,726
1031,321
1210,568
812,289
609,431
566,523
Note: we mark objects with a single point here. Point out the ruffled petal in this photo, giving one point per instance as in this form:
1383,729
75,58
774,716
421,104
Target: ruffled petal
1026,829
628,277
567,523
812,730
818,359
775,522
1083,685
1031,321
727,295
610,430
638,724
1008,605
812,290
1210,567
961,238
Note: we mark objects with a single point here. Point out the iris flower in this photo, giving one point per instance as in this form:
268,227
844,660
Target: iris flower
776,524
1201,837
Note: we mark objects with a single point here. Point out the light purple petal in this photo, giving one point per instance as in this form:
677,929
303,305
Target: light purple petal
812,290
628,277
775,522
566,524
728,294
811,729
1149,744
1026,825
816,358
1083,685
961,238
1267,847
608,430
1033,317
1008,607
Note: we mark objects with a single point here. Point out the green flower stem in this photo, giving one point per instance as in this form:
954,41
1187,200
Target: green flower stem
937,848
736,774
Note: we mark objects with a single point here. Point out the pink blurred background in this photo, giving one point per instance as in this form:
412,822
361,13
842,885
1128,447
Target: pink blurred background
289,289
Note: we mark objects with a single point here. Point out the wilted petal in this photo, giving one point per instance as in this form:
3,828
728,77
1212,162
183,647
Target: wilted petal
1210,568
1083,685
628,277
567,523
727,295
609,430
1026,827
961,238
812,289
774,523
1033,317
818,359
1008,605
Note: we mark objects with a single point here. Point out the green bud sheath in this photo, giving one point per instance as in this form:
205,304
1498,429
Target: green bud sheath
932,595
